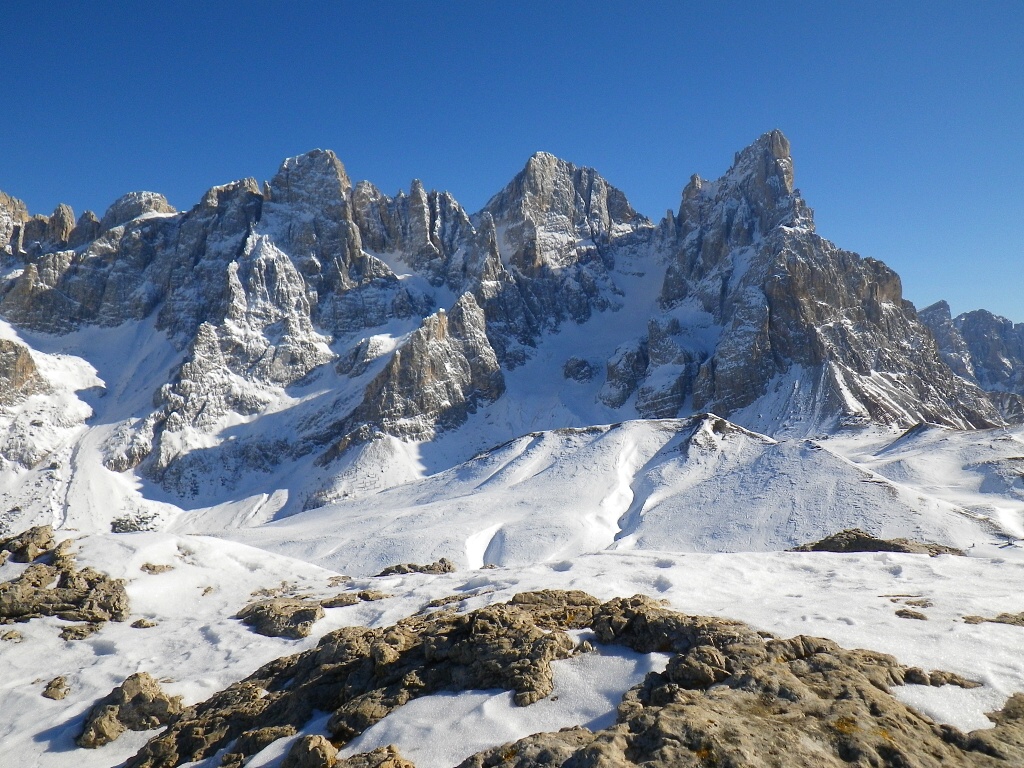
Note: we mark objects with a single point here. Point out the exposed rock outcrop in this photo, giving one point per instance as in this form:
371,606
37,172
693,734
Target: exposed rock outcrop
57,689
19,376
441,375
311,752
788,302
58,588
733,697
729,695
985,349
444,565
138,704
30,544
856,540
282,617
132,206
361,674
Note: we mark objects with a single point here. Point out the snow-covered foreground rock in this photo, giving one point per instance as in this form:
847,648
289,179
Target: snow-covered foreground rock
197,646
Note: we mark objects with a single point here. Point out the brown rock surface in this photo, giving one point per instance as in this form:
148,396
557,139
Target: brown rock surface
730,696
444,565
58,588
311,752
282,617
57,688
856,540
30,544
138,704
19,376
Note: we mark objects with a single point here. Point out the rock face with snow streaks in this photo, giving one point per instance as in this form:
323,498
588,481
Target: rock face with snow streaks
410,315
19,376
744,251
985,349
445,370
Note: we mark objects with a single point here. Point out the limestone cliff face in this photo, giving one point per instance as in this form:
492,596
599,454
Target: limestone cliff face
19,376
789,303
441,374
411,313
985,349
13,214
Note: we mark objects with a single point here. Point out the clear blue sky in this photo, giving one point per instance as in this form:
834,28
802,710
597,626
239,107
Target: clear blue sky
905,118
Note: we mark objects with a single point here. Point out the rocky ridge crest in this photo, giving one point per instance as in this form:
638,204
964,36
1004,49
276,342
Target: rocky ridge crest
262,287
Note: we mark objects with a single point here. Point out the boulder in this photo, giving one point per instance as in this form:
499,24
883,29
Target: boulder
282,617
138,704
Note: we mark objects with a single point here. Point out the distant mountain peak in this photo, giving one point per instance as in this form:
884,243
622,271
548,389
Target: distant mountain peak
318,169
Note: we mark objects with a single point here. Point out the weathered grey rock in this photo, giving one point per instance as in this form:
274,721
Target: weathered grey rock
19,376
443,373
155,568
57,689
361,674
578,369
732,697
626,370
60,225
138,704
856,540
343,600
371,595
80,631
954,350
729,695
909,613
444,565
382,757
282,617
985,349
13,214
787,301
1013,619
132,206
549,206
87,229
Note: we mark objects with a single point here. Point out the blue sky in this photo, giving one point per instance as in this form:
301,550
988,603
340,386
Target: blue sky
905,118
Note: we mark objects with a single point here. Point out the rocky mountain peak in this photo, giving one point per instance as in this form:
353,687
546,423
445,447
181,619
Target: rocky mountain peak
132,206
549,187
982,347
303,178
13,213
759,187
767,159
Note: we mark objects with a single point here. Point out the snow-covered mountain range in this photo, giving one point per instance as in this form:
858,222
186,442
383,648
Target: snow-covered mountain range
323,376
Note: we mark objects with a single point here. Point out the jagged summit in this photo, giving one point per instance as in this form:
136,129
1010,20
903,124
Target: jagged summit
346,315
132,206
551,187
983,348
318,172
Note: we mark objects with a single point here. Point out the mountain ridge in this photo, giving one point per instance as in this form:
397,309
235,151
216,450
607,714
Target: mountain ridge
365,315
